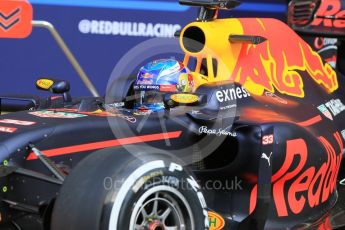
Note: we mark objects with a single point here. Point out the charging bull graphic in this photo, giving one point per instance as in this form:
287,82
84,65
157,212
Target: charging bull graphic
278,62
275,64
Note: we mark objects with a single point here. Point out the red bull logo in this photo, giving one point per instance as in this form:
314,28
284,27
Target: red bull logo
278,63
330,14
297,187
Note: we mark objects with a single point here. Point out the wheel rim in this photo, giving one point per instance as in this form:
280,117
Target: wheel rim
162,208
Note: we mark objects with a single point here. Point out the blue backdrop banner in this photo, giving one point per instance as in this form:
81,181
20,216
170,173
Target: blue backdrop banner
99,33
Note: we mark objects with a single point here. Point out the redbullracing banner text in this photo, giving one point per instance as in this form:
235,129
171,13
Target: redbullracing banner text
135,29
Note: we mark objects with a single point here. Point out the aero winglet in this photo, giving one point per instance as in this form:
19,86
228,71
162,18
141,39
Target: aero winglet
212,4
209,8
247,39
15,18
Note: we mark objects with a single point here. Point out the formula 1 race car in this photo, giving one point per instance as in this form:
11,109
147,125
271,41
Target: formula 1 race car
251,138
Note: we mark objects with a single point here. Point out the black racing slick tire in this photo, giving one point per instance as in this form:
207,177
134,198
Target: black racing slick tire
111,190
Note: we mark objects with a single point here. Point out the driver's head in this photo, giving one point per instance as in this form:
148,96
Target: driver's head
159,77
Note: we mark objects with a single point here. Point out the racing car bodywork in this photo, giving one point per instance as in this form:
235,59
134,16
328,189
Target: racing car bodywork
265,122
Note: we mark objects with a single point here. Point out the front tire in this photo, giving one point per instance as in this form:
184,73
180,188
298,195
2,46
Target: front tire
115,191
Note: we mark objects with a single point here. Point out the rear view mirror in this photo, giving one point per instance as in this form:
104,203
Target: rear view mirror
54,86
15,18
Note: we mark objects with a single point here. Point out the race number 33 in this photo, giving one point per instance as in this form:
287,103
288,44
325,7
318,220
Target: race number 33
267,140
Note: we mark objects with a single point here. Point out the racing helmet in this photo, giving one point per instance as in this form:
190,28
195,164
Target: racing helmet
157,78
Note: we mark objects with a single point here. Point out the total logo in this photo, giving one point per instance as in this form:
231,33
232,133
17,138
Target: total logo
232,94
332,107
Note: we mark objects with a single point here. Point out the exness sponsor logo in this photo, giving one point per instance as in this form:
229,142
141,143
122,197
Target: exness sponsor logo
231,94
132,29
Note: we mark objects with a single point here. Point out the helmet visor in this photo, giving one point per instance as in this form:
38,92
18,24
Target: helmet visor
152,100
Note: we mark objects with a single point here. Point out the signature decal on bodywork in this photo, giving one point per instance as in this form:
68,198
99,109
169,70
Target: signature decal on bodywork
217,132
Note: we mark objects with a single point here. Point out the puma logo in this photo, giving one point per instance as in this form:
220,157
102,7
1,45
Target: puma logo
264,156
